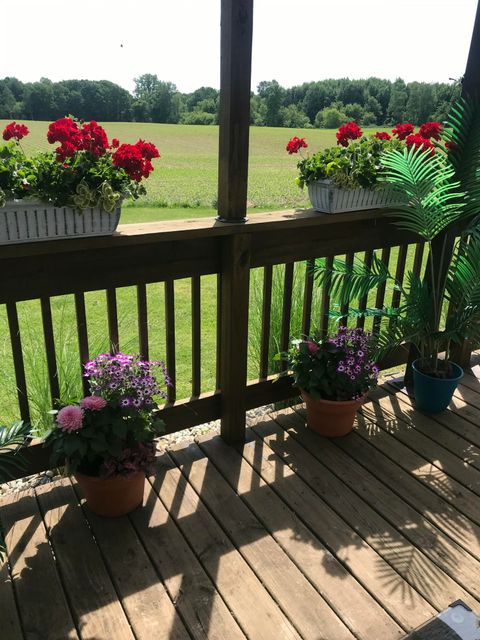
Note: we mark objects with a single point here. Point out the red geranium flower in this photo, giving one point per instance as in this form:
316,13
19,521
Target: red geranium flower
65,150
94,139
419,141
382,135
431,130
64,130
295,144
129,157
348,131
115,143
403,130
14,130
147,149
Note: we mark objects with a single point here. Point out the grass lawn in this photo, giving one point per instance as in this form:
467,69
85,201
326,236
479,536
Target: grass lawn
183,186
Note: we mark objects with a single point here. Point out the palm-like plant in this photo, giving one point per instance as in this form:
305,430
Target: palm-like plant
11,440
441,194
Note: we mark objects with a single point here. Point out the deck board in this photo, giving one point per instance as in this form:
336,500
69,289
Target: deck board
289,536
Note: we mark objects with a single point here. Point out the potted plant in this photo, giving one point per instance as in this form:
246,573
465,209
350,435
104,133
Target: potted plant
77,189
334,375
348,177
441,194
107,439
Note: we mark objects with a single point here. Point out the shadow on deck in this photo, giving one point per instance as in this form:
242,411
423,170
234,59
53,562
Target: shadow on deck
290,536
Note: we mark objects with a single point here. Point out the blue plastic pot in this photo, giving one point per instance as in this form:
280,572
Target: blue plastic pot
434,394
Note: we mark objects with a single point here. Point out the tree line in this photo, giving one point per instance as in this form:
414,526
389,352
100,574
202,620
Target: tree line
325,103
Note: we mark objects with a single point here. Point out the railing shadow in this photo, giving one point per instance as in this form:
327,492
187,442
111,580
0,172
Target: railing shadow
211,509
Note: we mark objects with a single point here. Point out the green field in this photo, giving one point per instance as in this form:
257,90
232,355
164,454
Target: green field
182,186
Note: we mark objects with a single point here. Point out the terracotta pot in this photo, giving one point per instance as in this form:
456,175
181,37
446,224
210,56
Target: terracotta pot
331,418
114,496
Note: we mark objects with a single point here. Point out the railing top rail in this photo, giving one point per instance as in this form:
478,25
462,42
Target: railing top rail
196,228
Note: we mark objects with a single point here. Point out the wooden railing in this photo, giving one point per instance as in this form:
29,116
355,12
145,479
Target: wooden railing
166,252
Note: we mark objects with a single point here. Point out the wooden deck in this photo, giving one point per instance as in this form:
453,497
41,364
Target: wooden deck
292,536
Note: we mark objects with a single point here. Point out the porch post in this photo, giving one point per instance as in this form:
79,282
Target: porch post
235,77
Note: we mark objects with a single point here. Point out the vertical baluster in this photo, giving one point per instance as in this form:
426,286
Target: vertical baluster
399,273
82,335
196,337
362,303
170,335
266,318
418,258
307,297
49,339
112,316
344,308
142,312
286,310
18,363
219,333
325,301
380,297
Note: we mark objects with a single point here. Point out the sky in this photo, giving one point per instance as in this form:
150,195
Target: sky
294,41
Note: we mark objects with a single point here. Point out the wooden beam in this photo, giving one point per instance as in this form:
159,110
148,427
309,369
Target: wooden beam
234,118
471,79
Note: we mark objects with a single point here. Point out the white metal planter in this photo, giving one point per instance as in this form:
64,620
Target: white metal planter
33,221
328,198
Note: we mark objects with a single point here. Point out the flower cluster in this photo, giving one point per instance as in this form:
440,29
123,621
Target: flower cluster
84,170
136,159
125,379
112,430
295,144
335,368
401,131
355,363
15,131
356,160
348,131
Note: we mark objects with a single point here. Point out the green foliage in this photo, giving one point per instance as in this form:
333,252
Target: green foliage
434,202
17,172
337,368
330,118
357,165
433,199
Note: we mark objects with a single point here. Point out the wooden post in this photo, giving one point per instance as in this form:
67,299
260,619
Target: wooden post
471,79
234,335
235,78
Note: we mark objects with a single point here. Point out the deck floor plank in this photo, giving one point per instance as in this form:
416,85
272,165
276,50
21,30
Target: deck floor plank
456,420
420,583
42,604
149,609
441,568
303,605
240,588
454,440
428,503
9,616
84,576
254,478
201,607
288,537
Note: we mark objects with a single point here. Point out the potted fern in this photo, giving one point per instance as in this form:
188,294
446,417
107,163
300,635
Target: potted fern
440,194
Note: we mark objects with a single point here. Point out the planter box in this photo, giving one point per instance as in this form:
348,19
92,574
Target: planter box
33,221
328,198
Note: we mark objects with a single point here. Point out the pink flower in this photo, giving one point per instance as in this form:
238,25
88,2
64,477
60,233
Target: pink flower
70,418
312,347
94,403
